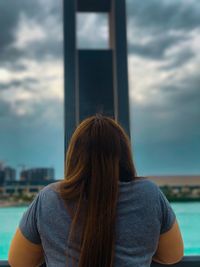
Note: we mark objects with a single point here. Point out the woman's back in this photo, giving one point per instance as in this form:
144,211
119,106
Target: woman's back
110,223
143,213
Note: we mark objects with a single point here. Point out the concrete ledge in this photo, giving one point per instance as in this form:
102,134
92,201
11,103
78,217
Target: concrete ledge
188,261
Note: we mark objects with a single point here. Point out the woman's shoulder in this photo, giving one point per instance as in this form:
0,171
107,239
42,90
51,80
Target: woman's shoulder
52,187
140,188
50,192
147,185
142,181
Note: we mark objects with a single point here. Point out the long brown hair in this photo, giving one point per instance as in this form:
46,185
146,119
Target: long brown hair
99,153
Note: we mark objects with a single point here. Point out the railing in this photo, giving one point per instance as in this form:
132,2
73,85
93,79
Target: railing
187,261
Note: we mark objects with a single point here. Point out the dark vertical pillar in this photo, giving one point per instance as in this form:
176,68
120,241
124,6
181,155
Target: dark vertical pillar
118,42
70,70
95,80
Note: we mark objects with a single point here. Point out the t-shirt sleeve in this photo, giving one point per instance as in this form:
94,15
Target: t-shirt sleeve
28,223
167,215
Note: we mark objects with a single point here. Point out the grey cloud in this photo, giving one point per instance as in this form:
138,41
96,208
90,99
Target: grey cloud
9,15
10,12
43,50
27,82
178,60
14,66
163,15
36,114
175,118
168,22
157,47
185,93
10,56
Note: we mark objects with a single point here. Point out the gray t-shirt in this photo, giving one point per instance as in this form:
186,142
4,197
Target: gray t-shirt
143,213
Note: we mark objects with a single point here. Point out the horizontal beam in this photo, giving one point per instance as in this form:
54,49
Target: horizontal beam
93,5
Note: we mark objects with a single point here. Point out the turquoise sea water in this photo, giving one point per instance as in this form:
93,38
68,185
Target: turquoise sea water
188,216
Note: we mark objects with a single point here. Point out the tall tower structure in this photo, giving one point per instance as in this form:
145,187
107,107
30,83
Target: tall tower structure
95,80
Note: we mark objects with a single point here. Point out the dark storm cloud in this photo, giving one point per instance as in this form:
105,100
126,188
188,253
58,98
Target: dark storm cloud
158,19
157,47
9,16
174,117
179,59
45,49
185,93
10,12
14,66
182,94
35,112
10,55
23,83
164,15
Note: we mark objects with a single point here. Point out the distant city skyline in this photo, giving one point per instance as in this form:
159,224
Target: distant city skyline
26,172
151,176
164,61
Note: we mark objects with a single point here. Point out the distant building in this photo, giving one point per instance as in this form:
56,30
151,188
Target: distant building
23,187
2,177
7,174
37,174
179,187
30,183
177,180
10,174
1,165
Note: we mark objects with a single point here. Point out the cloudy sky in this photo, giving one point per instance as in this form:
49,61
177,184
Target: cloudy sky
164,82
